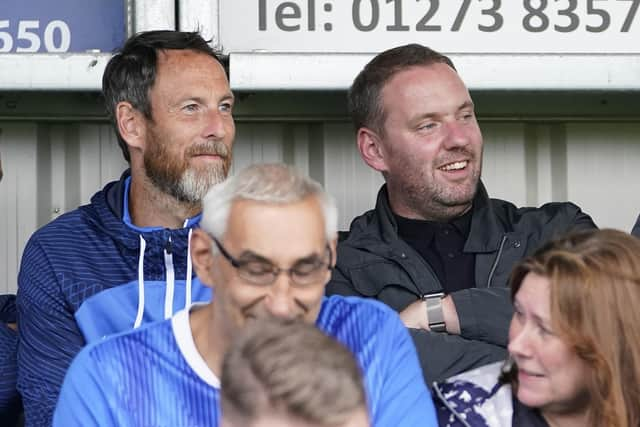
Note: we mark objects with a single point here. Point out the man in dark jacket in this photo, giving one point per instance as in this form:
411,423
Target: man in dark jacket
123,260
436,248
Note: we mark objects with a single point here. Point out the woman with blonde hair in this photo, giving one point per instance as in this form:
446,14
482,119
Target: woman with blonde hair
574,342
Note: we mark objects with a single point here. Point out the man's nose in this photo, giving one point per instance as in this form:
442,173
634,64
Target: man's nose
280,301
215,126
457,134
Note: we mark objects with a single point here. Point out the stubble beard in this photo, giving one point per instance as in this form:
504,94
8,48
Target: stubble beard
439,201
177,179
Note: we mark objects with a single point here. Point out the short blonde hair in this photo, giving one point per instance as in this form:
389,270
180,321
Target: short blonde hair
293,367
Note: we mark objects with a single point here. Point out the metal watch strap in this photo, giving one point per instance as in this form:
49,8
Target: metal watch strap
435,314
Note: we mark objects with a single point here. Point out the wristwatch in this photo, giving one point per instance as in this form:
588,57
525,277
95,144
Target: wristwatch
435,314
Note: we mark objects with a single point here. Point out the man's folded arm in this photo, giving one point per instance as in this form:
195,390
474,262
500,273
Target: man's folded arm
443,355
484,314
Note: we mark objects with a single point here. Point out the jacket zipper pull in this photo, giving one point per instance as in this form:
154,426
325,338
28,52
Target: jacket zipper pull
169,246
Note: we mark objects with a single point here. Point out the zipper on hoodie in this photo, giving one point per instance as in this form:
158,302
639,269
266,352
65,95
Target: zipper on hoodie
168,246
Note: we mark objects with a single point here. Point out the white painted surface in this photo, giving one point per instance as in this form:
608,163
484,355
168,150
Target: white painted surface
200,15
602,171
52,71
329,71
154,15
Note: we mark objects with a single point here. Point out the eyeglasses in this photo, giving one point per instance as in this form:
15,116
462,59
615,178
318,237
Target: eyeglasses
305,272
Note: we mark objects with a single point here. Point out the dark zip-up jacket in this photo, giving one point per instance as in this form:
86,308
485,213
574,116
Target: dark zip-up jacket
374,262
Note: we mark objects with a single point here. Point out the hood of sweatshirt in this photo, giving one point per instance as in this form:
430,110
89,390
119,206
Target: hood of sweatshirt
159,275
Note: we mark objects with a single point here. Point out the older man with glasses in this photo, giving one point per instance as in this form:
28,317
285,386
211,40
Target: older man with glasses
266,247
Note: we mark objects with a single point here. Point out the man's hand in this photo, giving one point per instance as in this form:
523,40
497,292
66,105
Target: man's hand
415,315
451,320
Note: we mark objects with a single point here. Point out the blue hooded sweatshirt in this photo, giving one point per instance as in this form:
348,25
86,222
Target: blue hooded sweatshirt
89,274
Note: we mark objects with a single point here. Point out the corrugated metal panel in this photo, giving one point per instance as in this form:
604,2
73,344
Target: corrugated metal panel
602,171
347,178
52,168
18,207
48,170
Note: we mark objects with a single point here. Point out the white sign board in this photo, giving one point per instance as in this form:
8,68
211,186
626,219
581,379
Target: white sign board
449,26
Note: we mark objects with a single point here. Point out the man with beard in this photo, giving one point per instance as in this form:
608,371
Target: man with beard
266,247
123,260
436,248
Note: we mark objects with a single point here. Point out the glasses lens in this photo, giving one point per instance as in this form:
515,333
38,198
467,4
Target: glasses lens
259,273
308,273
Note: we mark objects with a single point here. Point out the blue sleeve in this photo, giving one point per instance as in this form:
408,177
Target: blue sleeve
405,400
48,335
83,398
10,407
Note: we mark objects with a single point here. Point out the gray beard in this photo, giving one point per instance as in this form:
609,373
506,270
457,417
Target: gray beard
192,188
188,185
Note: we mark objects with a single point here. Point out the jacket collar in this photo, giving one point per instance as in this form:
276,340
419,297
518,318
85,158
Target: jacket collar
486,230
106,213
114,194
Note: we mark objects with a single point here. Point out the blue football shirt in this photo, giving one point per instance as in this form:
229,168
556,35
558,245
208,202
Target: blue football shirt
154,376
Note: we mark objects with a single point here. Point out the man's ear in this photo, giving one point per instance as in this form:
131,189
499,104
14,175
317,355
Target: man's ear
371,150
202,257
131,124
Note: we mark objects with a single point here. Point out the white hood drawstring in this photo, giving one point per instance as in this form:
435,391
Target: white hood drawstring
143,246
170,281
187,294
171,285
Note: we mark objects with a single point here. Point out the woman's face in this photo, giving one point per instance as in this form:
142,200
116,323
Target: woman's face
550,376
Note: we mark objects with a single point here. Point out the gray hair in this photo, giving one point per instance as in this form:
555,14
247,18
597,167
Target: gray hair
267,183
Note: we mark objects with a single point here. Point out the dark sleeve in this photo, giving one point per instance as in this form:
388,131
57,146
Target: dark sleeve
49,336
340,285
484,314
443,355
